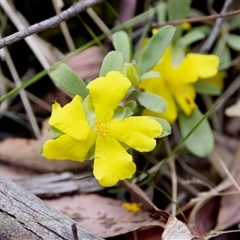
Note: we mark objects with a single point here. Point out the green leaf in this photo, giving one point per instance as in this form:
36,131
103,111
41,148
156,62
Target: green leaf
119,113
233,41
178,9
122,112
189,38
207,88
89,111
225,56
131,71
68,80
121,43
91,153
131,104
129,112
205,29
222,50
167,130
151,101
155,48
151,74
113,61
161,11
201,140
54,132
234,23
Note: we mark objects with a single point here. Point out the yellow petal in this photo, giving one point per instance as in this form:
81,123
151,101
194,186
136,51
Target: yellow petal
185,98
107,92
217,79
159,87
165,64
136,132
65,147
112,163
70,119
196,66
132,207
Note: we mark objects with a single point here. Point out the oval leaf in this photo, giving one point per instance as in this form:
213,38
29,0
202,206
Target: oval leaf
151,101
119,113
155,48
201,141
68,80
151,74
54,132
167,130
234,23
121,43
233,41
207,88
178,10
113,61
189,38
131,104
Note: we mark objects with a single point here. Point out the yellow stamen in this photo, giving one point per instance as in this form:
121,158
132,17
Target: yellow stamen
100,128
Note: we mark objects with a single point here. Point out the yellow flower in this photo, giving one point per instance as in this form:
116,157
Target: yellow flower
175,84
82,129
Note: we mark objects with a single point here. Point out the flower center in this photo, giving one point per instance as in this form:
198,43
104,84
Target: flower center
101,128
172,83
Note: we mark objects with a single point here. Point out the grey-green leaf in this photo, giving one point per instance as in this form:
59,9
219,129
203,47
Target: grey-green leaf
54,132
151,101
167,130
178,9
233,41
155,48
189,38
113,61
68,80
151,74
201,141
121,43
131,104
234,23
222,50
207,88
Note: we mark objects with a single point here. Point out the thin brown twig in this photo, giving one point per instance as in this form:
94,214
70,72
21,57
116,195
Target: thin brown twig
48,23
197,19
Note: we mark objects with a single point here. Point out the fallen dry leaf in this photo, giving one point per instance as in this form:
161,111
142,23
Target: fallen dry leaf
153,233
201,211
104,216
204,218
108,218
229,213
234,110
26,153
87,63
178,230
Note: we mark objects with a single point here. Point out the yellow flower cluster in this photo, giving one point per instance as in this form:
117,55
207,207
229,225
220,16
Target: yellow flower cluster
175,83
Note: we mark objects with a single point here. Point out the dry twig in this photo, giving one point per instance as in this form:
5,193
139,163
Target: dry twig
48,23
